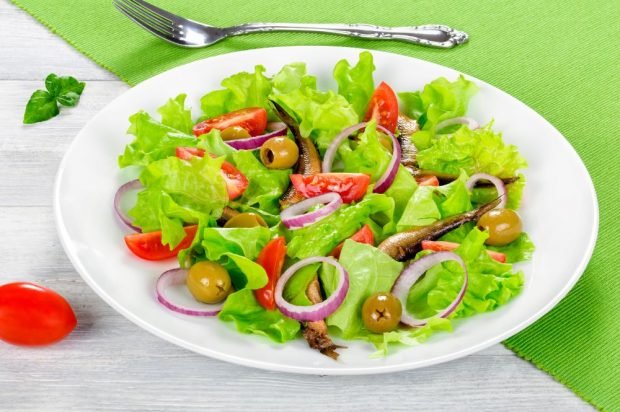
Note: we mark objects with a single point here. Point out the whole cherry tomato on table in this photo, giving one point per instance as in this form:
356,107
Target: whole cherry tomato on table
33,315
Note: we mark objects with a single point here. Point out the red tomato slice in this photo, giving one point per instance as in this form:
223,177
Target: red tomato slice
441,246
364,235
427,181
383,107
236,182
33,315
350,186
271,258
148,245
253,119
187,153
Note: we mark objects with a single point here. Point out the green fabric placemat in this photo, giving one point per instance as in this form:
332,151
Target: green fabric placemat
561,58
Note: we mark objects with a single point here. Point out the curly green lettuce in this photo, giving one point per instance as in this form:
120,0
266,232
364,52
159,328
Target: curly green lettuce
179,192
356,83
440,100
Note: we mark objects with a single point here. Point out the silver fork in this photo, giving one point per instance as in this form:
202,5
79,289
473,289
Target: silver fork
189,33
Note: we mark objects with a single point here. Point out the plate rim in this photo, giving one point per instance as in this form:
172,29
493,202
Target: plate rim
379,369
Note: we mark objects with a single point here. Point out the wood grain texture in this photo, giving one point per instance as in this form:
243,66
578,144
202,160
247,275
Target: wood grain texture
110,364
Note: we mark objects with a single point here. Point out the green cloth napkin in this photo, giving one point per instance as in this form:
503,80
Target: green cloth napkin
561,58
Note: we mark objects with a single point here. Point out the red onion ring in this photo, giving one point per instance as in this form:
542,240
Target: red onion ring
386,180
175,277
413,272
320,310
330,153
131,185
295,217
389,175
471,123
497,182
251,143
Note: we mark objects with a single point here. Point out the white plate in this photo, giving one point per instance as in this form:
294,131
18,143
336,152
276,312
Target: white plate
559,211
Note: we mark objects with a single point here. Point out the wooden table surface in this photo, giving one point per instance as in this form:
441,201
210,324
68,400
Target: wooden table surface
109,363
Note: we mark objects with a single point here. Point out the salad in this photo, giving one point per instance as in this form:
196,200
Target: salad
328,215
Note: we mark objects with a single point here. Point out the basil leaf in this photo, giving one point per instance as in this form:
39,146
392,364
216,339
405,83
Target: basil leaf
41,106
68,90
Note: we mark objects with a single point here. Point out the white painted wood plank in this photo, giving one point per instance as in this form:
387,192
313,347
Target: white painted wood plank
109,363
29,51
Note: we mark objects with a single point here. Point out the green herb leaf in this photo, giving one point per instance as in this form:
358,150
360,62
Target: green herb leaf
41,106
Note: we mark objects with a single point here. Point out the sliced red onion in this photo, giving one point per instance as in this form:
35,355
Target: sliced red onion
176,277
320,310
386,180
497,182
413,272
389,175
251,143
295,217
471,123
330,153
131,185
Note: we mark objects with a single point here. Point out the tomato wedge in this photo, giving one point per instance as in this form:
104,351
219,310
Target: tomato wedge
33,315
350,186
236,182
148,245
427,181
441,246
364,235
253,119
271,258
383,107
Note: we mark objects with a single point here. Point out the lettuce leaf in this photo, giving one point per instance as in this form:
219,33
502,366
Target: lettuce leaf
249,316
266,186
409,337
473,151
245,89
175,115
321,115
518,250
320,238
370,271
153,141
429,204
241,90
367,156
491,284
177,192
356,83
440,100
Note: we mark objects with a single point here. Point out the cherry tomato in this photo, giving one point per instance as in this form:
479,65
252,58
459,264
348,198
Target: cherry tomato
252,119
442,246
271,258
427,181
383,107
350,186
236,182
33,315
148,245
364,235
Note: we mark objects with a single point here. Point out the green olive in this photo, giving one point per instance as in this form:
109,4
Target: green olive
245,220
234,133
381,312
385,141
279,153
503,225
208,282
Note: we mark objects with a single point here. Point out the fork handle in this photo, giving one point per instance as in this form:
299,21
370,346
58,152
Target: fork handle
428,35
